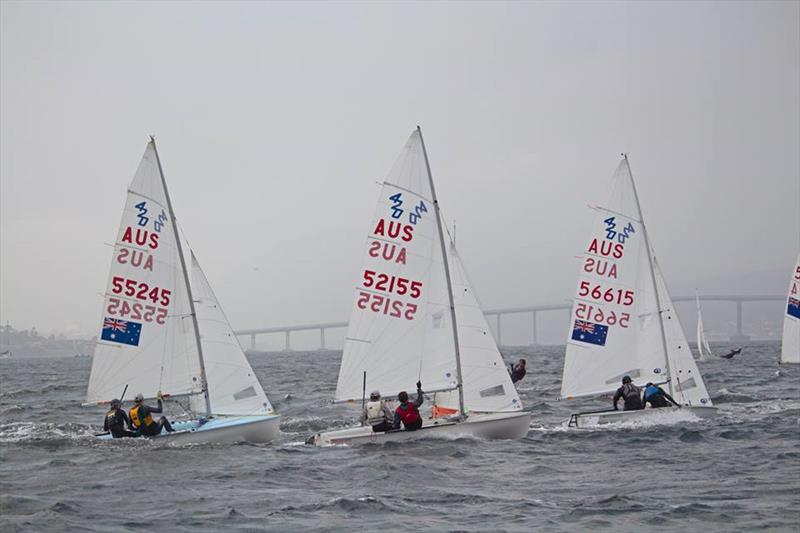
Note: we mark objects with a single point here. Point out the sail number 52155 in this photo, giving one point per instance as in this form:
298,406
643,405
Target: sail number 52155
385,283
386,306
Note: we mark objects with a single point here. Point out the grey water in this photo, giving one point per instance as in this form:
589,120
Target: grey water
737,472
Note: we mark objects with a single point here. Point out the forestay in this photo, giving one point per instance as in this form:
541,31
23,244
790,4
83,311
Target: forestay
147,339
400,328
616,328
790,349
232,385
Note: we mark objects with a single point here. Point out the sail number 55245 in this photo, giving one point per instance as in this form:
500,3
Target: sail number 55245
618,296
140,290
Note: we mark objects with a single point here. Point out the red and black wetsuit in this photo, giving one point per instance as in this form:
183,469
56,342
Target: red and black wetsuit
408,414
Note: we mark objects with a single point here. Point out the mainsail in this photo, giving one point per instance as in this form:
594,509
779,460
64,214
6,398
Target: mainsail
148,338
401,326
623,321
790,348
233,387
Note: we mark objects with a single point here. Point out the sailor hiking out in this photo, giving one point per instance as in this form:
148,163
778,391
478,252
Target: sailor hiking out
142,420
630,394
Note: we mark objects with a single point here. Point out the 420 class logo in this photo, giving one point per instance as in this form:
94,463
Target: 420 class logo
612,233
413,215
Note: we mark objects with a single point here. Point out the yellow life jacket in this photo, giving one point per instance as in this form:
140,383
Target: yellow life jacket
137,422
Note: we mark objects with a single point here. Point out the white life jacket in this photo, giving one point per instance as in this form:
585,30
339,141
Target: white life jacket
375,412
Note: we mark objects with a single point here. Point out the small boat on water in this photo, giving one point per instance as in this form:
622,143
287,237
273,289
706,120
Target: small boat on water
416,317
790,345
164,330
623,322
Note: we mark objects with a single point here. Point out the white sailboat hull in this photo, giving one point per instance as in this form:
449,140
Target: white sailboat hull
220,430
595,418
509,425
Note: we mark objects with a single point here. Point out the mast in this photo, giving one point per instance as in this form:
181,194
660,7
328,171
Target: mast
652,274
447,277
203,380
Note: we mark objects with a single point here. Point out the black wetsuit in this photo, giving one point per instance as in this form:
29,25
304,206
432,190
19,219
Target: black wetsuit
517,373
154,428
116,420
658,397
631,394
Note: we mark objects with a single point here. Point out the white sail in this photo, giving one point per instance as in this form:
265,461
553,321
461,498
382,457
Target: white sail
703,349
790,348
400,328
233,387
147,338
487,383
686,384
616,324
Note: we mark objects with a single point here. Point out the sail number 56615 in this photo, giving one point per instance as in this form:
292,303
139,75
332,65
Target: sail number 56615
597,315
618,296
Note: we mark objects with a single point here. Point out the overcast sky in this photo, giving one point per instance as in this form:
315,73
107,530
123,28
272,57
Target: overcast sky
275,120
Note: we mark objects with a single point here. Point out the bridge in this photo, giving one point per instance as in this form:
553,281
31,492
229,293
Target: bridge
534,310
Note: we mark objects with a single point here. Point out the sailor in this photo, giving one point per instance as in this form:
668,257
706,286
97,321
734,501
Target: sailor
142,419
408,412
518,371
377,413
116,420
631,395
657,396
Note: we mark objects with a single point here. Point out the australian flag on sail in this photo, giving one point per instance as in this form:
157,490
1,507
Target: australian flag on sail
122,331
793,309
589,332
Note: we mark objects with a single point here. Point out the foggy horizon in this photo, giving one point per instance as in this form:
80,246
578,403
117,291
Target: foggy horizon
275,121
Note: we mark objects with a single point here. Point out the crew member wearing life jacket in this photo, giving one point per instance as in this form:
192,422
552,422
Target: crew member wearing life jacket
408,412
630,393
116,420
657,396
377,413
142,420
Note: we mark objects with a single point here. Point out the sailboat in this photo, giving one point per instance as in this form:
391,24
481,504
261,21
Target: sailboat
416,317
790,347
164,330
703,349
622,321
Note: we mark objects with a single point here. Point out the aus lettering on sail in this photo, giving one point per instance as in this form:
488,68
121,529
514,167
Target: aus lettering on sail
138,296
393,295
138,243
604,300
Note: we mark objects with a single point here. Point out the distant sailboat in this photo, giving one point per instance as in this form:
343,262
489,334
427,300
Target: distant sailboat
790,348
703,349
623,322
163,329
416,317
